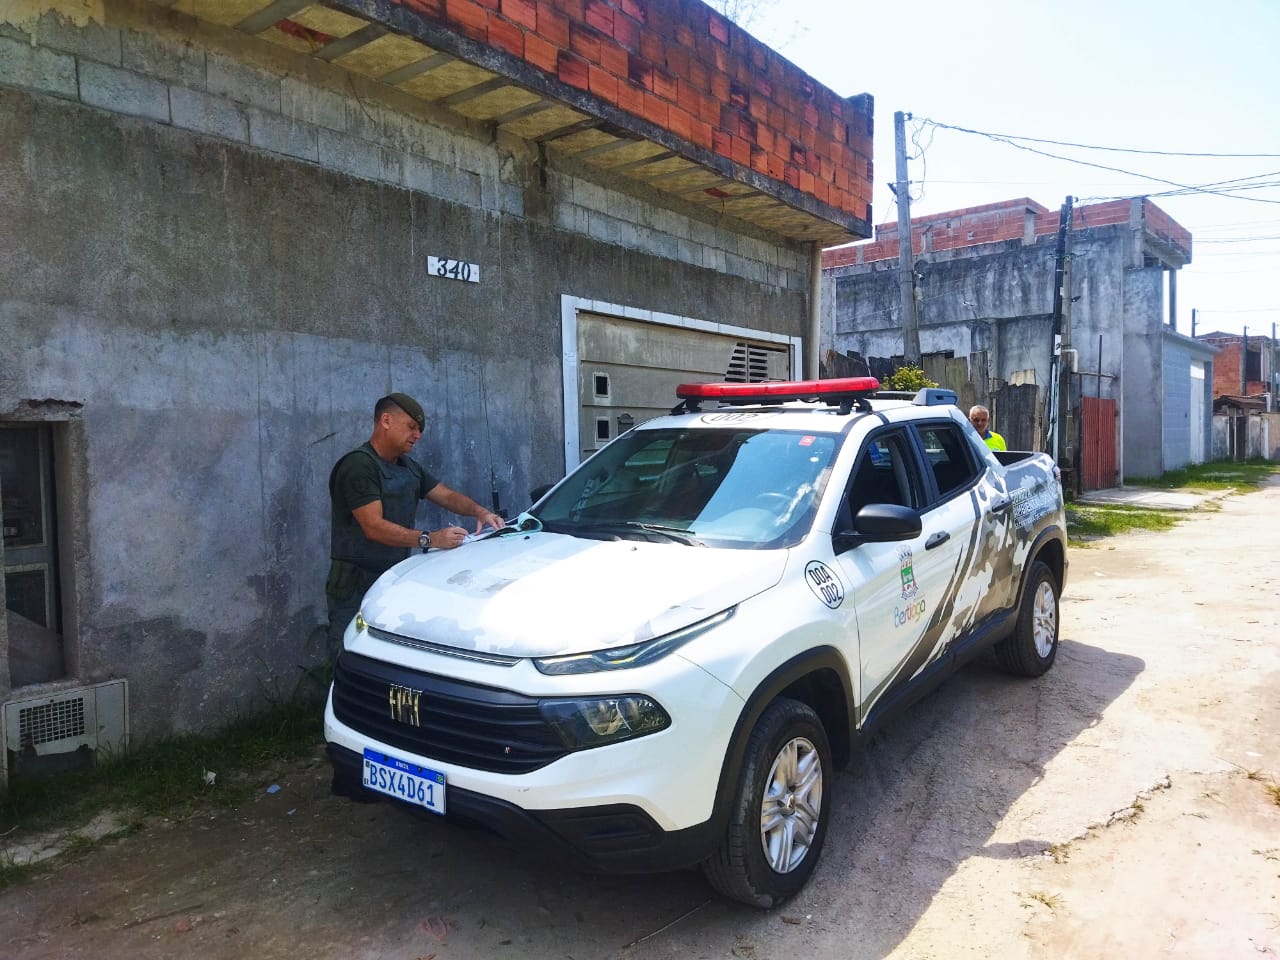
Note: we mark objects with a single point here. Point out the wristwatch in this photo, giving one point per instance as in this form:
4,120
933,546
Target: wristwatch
424,540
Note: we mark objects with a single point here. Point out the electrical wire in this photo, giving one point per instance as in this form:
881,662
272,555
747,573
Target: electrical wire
1086,146
1181,188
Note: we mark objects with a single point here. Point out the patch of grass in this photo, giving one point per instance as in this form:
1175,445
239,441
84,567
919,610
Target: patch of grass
1095,521
168,776
1216,475
1050,900
1059,852
13,873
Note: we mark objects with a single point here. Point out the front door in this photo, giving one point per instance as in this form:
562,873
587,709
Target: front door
892,591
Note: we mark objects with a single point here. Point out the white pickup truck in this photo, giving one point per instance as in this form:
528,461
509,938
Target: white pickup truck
660,662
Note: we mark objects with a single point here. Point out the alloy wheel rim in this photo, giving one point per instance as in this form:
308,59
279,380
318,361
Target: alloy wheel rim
1044,620
792,805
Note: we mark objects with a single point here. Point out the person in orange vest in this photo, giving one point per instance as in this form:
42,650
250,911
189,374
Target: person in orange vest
980,417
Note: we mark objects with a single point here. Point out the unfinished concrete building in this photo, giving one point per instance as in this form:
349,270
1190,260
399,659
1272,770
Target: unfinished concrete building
227,228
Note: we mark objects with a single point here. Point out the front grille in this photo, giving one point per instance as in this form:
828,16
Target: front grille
485,728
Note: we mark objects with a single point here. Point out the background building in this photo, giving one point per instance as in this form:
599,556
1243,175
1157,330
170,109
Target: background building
985,277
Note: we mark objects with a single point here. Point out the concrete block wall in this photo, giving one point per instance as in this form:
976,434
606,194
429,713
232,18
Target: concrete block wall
143,64
213,256
995,286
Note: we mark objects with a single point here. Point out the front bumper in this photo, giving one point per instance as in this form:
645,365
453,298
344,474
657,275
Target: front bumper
614,838
641,805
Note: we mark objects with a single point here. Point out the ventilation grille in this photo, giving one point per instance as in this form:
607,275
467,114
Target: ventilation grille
51,721
752,363
63,722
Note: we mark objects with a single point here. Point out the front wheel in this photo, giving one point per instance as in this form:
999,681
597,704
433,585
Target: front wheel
1030,650
780,809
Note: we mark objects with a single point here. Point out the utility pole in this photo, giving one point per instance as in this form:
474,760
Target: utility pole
1244,355
1055,440
906,268
1067,435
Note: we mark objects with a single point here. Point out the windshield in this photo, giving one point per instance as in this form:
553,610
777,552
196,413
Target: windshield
727,487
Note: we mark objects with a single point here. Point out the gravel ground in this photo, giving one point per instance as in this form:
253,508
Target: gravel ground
1123,805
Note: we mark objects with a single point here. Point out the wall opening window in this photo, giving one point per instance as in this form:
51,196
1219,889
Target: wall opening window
601,385
1252,363
33,601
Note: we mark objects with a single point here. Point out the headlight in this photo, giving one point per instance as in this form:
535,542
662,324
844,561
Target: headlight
594,721
632,655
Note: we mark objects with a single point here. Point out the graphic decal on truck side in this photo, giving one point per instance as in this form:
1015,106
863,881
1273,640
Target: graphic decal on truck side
907,572
824,583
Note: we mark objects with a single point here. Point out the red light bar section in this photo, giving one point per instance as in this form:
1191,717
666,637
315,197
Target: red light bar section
779,390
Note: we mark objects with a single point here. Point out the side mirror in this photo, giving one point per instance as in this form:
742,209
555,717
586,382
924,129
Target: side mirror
879,523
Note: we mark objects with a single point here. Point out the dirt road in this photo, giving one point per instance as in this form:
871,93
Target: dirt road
1121,806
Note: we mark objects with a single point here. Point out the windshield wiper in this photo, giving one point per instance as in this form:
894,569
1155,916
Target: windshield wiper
525,525
674,534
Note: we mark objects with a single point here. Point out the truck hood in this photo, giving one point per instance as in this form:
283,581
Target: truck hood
547,594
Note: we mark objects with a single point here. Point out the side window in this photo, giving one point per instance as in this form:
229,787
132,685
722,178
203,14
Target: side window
883,474
947,455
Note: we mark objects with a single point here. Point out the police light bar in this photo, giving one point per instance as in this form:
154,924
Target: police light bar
843,391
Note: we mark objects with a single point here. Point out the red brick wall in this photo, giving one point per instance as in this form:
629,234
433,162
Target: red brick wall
681,66
1226,366
994,222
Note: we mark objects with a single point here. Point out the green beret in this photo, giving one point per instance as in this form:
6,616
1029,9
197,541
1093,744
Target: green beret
409,406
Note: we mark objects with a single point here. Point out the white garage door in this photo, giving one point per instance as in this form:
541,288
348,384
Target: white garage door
625,368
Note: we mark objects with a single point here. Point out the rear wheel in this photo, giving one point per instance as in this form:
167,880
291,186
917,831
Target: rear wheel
780,811
1030,650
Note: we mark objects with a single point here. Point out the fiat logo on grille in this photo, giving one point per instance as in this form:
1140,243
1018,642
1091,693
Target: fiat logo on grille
402,703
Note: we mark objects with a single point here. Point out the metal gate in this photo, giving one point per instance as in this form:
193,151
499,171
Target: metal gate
1098,443
1015,415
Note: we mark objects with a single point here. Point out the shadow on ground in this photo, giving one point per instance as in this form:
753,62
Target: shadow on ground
298,872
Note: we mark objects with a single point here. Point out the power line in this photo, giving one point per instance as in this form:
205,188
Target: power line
1246,310
1086,146
1274,236
1182,188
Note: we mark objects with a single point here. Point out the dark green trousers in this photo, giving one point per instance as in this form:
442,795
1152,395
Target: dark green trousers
345,588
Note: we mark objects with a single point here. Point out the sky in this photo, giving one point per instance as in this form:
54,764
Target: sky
1159,76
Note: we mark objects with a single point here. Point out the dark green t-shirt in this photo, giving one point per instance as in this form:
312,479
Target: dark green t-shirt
360,478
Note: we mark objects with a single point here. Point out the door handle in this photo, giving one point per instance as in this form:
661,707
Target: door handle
999,506
937,539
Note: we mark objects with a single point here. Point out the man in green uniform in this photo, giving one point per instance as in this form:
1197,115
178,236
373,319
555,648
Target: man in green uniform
374,492
980,417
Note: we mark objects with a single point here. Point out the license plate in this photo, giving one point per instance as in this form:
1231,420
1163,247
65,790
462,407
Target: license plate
404,781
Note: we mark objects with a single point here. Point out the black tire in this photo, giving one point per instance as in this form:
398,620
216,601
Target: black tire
787,749
1030,650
